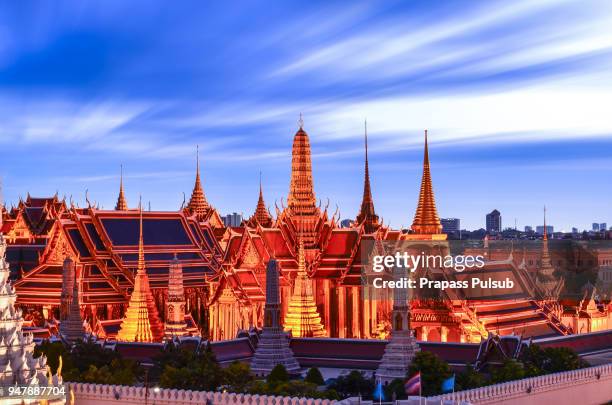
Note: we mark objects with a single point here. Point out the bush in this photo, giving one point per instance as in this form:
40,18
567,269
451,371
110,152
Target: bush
278,375
353,384
314,376
238,376
433,372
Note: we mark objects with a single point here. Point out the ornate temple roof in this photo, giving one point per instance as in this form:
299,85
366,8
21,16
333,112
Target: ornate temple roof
426,220
106,244
261,215
197,203
121,201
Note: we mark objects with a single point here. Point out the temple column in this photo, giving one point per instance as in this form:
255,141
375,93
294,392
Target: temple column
326,306
424,333
443,334
355,309
341,312
373,315
366,319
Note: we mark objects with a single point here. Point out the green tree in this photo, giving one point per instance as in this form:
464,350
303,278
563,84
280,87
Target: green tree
510,370
550,360
314,376
395,387
469,379
238,376
187,369
278,375
353,384
433,372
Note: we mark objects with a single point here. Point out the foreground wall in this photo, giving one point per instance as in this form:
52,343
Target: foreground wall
586,386
98,394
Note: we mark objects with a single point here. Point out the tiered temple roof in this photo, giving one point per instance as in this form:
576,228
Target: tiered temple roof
197,203
105,243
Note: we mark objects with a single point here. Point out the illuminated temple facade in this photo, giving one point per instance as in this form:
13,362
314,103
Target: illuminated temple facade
124,251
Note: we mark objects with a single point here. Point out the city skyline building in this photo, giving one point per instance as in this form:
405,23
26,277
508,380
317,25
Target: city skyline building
493,221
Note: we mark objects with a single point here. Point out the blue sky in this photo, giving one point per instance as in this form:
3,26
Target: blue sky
516,96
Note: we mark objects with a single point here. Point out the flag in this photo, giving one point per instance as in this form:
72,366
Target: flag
378,392
448,385
413,385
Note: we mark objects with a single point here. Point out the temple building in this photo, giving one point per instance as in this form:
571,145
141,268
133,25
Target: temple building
104,247
332,257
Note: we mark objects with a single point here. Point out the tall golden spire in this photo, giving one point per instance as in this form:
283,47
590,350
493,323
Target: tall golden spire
301,200
302,317
197,202
141,322
121,201
426,220
367,215
261,215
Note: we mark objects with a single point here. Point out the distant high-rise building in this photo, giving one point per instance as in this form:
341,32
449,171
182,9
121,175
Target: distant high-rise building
451,225
549,229
603,226
494,222
595,227
528,229
234,219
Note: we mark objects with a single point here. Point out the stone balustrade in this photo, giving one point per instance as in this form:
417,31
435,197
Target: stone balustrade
590,385
98,394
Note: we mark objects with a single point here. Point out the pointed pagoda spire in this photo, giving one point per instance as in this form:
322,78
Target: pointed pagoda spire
121,201
426,220
367,215
197,203
301,201
175,304
141,322
261,215
302,317
548,284
71,328
273,345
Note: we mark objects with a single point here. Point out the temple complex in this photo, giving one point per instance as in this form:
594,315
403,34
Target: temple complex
204,278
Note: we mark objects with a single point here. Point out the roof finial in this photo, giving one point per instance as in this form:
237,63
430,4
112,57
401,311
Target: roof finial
301,121
545,230
121,201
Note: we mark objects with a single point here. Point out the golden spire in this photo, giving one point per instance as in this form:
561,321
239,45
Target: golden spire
426,220
302,317
121,201
141,322
197,202
261,215
301,200
367,215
